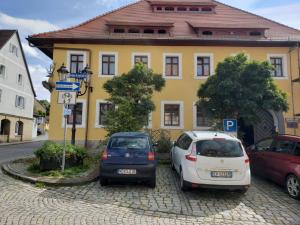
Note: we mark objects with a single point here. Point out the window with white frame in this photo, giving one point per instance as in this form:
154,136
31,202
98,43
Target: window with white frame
79,114
143,58
279,63
172,66
108,64
2,71
200,119
172,114
20,79
203,65
76,63
102,109
14,49
20,102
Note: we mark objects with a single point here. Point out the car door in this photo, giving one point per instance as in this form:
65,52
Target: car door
279,159
181,148
257,156
176,151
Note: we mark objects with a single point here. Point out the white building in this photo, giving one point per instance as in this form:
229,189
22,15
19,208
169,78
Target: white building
16,90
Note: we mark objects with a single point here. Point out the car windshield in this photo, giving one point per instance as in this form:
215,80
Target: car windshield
129,142
219,148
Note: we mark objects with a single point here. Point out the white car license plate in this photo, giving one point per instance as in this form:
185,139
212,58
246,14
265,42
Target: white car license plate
221,174
126,171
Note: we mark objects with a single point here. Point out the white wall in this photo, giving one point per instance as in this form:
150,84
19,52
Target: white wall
10,88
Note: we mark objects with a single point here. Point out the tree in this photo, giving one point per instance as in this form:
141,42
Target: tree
240,88
46,105
131,93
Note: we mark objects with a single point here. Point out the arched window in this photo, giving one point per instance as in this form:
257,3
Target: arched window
133,30
149,31
207,32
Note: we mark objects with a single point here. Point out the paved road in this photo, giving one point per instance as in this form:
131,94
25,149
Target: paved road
25,204
10,152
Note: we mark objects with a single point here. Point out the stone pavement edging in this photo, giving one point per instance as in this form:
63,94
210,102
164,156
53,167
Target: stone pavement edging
11,169
19,143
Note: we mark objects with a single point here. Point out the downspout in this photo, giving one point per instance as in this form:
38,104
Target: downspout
89,84
292,84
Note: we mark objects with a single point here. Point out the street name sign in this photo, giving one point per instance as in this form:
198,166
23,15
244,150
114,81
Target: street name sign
79,76
68,98
67,86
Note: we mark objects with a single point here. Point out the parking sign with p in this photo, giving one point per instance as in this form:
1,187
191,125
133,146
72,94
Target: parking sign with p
230,125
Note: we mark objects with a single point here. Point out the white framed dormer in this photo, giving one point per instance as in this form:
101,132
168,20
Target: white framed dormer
195,124
142,54
181,115
83,120
211,65
97,116
283,57
116,61
173,55
72,52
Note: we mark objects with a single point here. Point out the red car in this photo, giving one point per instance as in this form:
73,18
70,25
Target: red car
278,158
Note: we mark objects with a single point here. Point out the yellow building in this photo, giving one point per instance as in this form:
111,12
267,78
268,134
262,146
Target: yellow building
183,40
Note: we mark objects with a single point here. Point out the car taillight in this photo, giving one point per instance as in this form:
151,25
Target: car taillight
193,155
151,156
104,155
247,161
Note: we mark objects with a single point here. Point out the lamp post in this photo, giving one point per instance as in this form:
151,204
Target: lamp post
83,77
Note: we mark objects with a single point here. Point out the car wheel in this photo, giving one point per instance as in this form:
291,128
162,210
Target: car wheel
293,186
152,182
103,182
183,184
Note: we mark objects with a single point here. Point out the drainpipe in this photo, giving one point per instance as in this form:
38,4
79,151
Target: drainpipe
89,84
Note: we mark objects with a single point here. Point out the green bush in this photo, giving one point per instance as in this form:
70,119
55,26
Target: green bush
51,149
164,144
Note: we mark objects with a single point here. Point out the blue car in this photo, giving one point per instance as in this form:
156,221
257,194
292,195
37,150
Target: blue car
128,156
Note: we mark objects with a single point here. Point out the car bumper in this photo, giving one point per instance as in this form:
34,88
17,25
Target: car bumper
143,172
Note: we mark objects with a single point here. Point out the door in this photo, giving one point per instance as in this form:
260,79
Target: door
279,159
180,150
258,156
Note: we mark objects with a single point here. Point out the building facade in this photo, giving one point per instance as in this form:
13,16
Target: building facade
16,90
182,40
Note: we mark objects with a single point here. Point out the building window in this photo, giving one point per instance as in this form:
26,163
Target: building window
19,128
255,33
141,59
159,8
194,9
119,30
161,31
14,49
108,65
203,66
277,63
79,114
20,79
2,71
172,115
20,102
104,107
201,119
169,8
76,63
134,30
181,9
172,66
207,32
148,31
206,9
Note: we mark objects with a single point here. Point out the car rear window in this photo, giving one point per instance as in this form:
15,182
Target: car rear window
219,148
129,142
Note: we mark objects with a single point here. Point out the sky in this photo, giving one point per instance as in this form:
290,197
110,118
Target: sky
36,16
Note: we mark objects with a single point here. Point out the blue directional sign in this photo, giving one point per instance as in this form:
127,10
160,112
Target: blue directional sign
67,86
80,76
230,125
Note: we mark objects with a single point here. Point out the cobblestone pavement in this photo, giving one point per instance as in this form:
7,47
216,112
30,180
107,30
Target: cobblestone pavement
264,203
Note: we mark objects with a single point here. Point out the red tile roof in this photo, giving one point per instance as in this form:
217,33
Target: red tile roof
141,13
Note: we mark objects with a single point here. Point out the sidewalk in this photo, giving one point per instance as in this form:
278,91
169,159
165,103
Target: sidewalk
43,137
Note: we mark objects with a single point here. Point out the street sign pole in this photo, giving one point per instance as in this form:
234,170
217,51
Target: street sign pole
65,141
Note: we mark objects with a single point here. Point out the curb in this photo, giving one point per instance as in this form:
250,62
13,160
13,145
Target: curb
18,143
93,176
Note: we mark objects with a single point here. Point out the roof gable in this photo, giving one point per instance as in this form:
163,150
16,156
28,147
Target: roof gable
5,35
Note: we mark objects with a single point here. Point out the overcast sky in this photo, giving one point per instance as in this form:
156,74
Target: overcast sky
35,16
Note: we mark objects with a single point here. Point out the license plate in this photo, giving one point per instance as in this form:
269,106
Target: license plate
126,171
221,174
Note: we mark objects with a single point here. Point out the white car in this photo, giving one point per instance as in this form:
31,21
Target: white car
211,160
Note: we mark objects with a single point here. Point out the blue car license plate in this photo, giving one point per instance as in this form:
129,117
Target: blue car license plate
127,171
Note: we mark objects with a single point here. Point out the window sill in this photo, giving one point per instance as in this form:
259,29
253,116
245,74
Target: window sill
172,77
202,77
202,128
172,127
280,78
106,76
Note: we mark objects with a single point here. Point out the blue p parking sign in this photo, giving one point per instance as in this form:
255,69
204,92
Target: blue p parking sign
230,125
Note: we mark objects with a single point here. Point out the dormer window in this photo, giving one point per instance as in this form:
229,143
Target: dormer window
206,9
194,9
255,33
161,31
169,8
207,32
182,9
119,30
148,31
159,8
134,30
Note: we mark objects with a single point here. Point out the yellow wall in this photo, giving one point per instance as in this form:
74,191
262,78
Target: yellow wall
176,90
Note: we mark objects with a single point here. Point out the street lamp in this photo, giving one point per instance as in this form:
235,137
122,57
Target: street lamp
83,77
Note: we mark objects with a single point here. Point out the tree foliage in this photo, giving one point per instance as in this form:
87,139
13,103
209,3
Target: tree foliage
131,93
239,88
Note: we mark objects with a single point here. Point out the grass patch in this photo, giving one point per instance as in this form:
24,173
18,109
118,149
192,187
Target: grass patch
88,163
40,185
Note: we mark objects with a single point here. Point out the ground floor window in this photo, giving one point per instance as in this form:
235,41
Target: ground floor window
172,114
201,119
79,114
104,108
